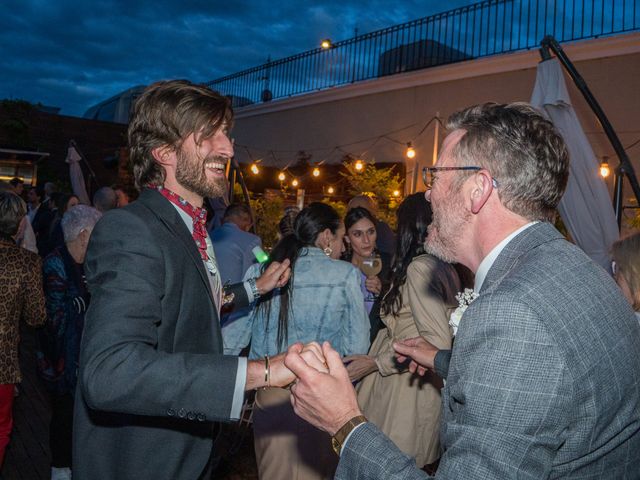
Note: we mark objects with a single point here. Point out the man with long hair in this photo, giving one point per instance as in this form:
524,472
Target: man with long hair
152,374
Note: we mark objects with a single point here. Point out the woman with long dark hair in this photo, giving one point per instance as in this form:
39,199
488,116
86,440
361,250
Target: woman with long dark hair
405,406
322,301
361,237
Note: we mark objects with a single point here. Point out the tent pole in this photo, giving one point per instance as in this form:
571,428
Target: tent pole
617,194
245,192
625,168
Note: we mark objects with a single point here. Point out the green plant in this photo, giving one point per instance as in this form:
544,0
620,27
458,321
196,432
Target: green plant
379,183
16,124
339,206
634,222
267,214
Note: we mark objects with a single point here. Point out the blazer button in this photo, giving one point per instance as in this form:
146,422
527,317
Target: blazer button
182,413
171,412
201,417
191,416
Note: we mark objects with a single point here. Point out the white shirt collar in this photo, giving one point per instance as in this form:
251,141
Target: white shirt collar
487,261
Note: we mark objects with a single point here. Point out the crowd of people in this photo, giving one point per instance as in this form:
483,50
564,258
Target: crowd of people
48,250
475,342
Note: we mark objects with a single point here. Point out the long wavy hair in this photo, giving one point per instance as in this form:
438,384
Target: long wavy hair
414,216
309,223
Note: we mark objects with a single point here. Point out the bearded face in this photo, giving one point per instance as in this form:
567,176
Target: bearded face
450,216
449,220
202,176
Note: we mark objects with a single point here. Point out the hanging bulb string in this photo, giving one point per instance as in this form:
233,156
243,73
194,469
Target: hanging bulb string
342,148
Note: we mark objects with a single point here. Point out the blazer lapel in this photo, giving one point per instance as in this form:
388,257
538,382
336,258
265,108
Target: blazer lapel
524,242
168,215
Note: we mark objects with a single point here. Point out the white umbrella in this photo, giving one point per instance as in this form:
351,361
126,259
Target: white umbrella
76,175
586,207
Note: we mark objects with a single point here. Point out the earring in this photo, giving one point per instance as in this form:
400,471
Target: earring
327,251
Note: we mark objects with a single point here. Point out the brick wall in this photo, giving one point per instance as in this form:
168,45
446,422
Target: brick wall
29,129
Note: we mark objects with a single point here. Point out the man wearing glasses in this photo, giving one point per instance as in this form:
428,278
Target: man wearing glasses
544,377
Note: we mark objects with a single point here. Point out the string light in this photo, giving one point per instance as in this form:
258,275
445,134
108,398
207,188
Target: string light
396,193
604,169
316,172
326,44
254,169
330,190
411,152
359,165
282,176
294,182
386,136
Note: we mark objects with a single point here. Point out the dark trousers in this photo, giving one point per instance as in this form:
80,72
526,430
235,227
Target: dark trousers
60,430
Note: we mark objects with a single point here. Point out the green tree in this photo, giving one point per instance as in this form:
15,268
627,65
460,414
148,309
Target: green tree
339,206
376,182
16,124
267,214
635,221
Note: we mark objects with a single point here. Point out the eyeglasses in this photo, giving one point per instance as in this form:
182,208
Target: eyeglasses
428,174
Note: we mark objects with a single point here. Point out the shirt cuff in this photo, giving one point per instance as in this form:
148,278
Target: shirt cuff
247,287
441,363
349,436
238,391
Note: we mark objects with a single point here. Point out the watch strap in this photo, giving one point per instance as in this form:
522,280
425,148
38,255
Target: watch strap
337,441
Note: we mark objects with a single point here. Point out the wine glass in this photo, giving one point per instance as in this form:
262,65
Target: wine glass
371,266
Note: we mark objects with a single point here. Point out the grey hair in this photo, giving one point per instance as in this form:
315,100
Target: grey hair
12,211
105,199
521,149
77,219
49,188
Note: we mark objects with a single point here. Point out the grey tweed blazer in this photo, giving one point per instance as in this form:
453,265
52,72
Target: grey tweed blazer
544,380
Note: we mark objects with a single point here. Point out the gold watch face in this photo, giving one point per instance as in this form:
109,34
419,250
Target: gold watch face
336,445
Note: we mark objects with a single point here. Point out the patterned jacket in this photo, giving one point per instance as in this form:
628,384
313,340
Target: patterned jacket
67,300
21,298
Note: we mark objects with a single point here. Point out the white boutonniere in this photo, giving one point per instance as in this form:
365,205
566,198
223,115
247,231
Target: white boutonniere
464,300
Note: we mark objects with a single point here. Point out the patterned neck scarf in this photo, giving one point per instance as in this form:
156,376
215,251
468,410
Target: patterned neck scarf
198,215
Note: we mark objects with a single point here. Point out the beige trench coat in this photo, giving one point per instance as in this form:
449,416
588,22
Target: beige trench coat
404,406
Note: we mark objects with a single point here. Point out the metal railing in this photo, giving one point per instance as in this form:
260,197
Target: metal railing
486,28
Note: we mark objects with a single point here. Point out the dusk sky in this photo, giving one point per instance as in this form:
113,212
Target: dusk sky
73,54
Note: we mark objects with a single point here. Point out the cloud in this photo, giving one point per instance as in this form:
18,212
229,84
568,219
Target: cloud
73,54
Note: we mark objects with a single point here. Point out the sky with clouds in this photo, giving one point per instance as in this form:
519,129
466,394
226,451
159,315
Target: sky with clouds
73,54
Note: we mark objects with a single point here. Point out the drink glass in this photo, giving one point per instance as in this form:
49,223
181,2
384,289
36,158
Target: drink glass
371,266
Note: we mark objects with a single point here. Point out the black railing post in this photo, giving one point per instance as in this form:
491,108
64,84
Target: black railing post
378,53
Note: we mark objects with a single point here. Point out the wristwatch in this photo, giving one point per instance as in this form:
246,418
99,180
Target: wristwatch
341,435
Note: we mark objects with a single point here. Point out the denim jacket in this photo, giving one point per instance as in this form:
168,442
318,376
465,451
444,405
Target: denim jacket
326,304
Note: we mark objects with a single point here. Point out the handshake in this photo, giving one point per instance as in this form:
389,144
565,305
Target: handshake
321,390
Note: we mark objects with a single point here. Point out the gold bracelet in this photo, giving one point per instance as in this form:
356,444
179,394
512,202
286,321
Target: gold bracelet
267,372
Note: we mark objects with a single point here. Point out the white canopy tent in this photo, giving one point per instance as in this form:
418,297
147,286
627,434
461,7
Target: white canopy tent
586,207
76,175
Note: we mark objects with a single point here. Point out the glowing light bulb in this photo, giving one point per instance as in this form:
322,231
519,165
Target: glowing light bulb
316,172
282,176
254,169
396,193
359,165
411,152
295,182
330,190
604,170
326,44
